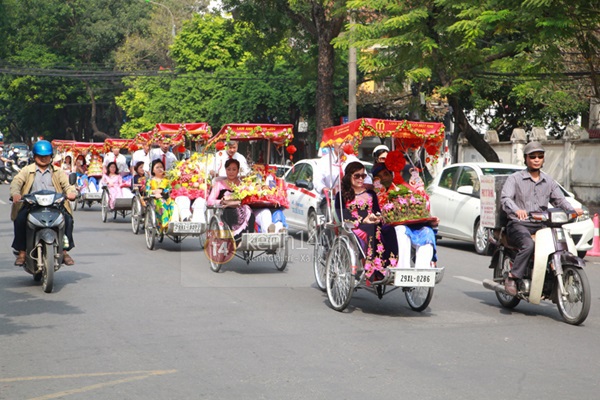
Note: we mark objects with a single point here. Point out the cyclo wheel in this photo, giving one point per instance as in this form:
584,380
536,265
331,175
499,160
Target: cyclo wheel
323,241
150,227
104,205
501,270
217,250
575,306
280,258
48,267
339,277
418,298
136,215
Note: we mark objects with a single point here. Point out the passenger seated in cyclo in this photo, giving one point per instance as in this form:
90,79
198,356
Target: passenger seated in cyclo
88,181
401,202
139,177
118,187
237,215
189,188
158,187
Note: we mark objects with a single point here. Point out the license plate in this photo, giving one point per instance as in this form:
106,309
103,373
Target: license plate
187,227
414,278
93,196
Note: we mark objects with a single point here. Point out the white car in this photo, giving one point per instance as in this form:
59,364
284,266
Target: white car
454,199
302,196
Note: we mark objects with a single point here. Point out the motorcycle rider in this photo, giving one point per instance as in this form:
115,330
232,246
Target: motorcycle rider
41,175
4,172
526,191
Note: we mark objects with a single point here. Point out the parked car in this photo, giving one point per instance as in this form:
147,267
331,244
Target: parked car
454,199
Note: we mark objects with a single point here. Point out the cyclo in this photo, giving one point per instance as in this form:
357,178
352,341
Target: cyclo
339,259
221,244
93,174
186,181
120,205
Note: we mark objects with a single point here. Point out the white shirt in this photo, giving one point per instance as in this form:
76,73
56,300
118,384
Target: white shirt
156,154
141,155
325,176
121,162
221,157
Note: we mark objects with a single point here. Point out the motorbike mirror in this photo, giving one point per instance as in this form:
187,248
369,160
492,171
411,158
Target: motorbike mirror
72,178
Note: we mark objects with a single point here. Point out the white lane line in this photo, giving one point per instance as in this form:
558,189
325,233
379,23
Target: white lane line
464,278
3,202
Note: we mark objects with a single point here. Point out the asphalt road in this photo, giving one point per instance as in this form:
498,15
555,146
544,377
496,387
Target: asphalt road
129,323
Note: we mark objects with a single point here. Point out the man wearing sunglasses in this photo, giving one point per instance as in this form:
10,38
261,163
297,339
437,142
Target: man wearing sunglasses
526,191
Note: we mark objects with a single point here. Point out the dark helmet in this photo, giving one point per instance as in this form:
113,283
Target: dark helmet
533,147
42,148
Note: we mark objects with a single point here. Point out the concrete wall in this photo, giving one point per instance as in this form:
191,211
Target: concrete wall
574,163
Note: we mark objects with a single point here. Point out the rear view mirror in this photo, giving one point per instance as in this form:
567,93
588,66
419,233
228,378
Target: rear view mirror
468,190
72,178
305,184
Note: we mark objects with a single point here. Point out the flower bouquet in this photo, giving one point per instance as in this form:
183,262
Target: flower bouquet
256,192
188,178
405,207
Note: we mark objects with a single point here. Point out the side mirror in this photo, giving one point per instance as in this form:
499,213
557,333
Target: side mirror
305,184
468,190
72,178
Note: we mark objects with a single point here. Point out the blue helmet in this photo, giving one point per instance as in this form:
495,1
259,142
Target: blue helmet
42,148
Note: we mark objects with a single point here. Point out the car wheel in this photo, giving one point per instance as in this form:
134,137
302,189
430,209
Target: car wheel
481,239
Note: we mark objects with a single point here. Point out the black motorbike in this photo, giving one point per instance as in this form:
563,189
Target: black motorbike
45,235
554,272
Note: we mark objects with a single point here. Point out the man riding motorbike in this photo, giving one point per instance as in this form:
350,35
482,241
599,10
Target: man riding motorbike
41,175
526,191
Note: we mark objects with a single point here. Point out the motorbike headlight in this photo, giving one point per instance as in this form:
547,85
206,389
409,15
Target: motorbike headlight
44,200
559,217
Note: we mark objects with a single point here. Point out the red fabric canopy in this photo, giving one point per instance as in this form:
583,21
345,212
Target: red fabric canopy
277,133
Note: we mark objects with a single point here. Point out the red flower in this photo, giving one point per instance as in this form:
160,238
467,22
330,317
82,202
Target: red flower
432,149
220,146
395,161
133,147
181,149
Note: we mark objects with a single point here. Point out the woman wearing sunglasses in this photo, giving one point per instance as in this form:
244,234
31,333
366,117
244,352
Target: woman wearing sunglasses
357,204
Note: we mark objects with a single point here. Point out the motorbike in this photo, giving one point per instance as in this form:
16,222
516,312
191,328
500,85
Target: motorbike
7,173
554,273
45,235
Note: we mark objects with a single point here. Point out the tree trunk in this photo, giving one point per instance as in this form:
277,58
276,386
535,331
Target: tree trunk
98,135
324,94
475,138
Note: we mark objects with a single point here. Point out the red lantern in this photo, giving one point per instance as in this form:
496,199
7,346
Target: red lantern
206,136
291,149
181,149
348,149
220,146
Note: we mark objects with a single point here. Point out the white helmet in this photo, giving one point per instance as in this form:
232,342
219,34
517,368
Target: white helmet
380,147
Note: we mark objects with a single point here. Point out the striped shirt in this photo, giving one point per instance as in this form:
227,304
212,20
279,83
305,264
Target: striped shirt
42,180
521,192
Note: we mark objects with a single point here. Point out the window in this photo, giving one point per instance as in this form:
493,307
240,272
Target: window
448,178
468,177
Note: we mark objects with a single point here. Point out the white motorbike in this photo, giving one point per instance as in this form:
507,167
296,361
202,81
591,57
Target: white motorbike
554,273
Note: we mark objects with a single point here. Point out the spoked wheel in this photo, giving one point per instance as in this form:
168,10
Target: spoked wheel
324,240
48,268
220,245
418,298
575,306
150,228
136,215
501,270
339,278
280,258
104,204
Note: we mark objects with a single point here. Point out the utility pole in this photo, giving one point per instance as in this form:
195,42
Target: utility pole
351,73
170,13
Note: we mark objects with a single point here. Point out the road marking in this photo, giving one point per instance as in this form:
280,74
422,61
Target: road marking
464,278
139,375
3,202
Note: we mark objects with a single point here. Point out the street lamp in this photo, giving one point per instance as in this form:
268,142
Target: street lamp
170,13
